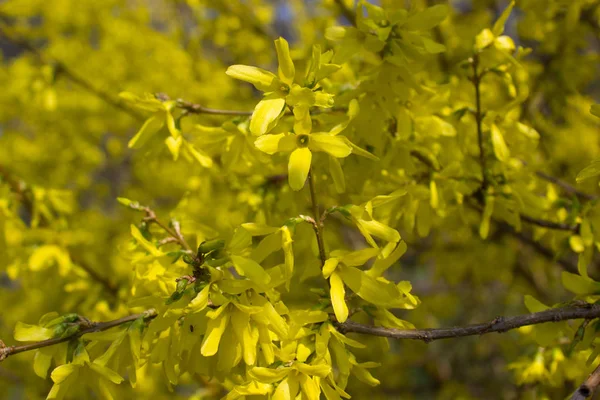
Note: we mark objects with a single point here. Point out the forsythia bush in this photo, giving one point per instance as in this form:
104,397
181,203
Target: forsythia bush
291,200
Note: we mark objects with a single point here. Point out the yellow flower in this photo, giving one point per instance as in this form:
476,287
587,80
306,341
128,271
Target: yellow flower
280,89
302,143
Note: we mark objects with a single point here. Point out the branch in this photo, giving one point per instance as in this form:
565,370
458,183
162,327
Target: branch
346,11
549,224
499,324
21,190
566,186
588,387
193,108
174,233
62,68
89,327
479,119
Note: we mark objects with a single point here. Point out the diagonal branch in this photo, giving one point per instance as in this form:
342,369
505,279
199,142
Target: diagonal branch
22,191
499,324
588,387
89,327
63,69
346,11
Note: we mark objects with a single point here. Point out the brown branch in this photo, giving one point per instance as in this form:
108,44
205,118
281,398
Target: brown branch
588,387
22,190
476,79
62,68
110,287
566,186
500,324
89,327
550,224
174,232
193,108
346,11
539,248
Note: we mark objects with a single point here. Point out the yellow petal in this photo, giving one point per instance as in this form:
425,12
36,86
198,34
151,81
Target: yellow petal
286,68
338,294
199,155
31,333
59,374
268,375
266,114
500,149
149,128
330,266
380,230
337,174
268,143
106,372
288,253
320,370
298,167
310,388
262,80
251,270
370,289
287,389
333,145
214,331
382,264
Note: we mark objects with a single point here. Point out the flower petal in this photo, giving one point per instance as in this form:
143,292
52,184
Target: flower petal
261,79
150,127
268,143
286,68
333,145
266,114
337,297
298,167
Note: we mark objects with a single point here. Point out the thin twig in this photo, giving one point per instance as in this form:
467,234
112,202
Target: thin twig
102,280
566,186
89,327
500,324
194,108
550,224
174,232
479,120
588,387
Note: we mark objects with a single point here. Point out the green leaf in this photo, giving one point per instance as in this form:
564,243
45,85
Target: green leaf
595,110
